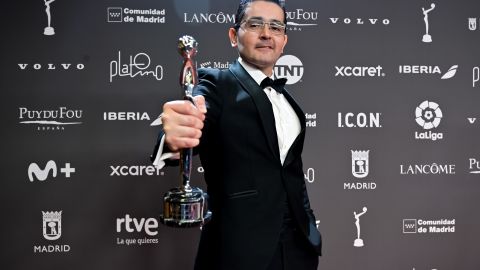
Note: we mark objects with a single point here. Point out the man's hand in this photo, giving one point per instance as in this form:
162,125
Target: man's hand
183,123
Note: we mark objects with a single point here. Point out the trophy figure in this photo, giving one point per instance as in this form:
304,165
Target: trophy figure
427,38
186,206
358,242
48,30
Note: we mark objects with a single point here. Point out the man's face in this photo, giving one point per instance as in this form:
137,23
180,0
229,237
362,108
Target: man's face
260,49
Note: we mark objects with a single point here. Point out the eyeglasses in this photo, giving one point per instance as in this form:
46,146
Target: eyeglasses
257,26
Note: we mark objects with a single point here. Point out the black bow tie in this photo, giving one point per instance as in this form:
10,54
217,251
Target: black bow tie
277,84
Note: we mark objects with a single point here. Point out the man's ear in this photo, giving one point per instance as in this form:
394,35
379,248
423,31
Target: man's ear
284,42
232,35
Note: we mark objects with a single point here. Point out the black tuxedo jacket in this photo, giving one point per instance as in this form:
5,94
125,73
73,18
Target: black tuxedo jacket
247,184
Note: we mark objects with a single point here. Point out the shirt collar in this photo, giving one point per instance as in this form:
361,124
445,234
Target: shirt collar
254,72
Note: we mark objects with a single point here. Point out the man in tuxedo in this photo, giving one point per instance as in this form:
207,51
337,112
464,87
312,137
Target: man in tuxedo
249,132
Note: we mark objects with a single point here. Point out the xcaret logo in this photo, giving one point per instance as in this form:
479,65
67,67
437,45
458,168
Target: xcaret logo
359,71
35,172
135,170
290,67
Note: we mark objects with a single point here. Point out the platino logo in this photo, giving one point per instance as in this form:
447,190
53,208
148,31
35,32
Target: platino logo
425,226
359,71
428,115
310,175
358,241
427,37
125,116
51,166
361,120
137,66
118,14
289,66
48,31
476,76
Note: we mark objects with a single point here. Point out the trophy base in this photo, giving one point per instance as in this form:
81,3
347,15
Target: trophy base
184,209
48,31
358,243
427,38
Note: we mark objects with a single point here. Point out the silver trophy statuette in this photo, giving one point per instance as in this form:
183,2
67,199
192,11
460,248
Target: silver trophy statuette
186,206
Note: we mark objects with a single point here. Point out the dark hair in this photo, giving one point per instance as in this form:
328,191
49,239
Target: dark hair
244,4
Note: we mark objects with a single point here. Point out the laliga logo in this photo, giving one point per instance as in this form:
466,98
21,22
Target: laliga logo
428,115
290,67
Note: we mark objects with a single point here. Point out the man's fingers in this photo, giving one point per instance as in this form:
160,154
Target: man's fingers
200,102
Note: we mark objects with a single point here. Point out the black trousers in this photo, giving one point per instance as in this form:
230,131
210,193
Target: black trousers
293,252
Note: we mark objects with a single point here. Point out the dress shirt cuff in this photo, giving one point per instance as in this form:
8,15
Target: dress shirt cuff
161,156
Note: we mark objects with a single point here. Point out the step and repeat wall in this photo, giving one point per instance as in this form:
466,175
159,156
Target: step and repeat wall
391,93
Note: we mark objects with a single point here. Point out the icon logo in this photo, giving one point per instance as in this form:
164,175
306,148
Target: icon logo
52,225
289,66
41,175
427,37
48,31
360,120
360,163
358,241
472,24
428,115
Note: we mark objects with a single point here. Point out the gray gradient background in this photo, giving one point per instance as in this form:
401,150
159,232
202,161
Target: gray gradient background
91,200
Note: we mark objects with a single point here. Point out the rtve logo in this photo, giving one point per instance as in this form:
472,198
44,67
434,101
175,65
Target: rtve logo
51,166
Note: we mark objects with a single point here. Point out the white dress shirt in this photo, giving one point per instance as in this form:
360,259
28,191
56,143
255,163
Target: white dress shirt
287,123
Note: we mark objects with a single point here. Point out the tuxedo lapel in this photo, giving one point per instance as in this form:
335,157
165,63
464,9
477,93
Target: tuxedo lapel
262,103
297,145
